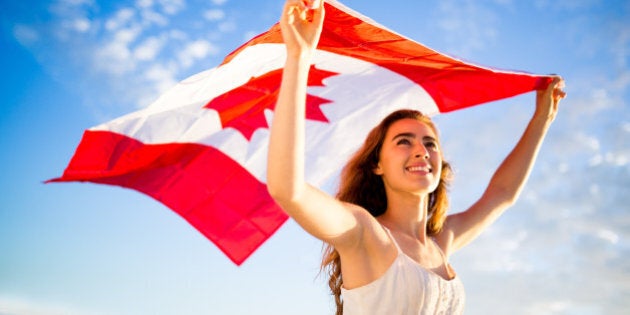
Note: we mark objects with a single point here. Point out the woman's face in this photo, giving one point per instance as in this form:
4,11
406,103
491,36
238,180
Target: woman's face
410,160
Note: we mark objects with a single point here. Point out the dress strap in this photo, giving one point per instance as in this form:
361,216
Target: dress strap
392,238
439,249
449,269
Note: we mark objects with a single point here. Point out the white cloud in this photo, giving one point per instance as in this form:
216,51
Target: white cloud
162,78
468,26
135,49
616,158
172,7
76,2
25,306
74,18
196,50
25,34
597,159
150,17
162,74
214,15
500,252
80,25
124,49
120,19
608,235
127,36
114,57
563,307
177,35
620,47
228,26
566,5
620,51
148,49
144,3
71,8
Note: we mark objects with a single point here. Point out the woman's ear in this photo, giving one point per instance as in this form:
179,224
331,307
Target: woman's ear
378,170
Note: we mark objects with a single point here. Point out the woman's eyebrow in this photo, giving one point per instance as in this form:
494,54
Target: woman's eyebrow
404,135
413,136
429,138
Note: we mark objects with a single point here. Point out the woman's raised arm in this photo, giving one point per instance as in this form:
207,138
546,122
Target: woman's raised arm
318,213
509,179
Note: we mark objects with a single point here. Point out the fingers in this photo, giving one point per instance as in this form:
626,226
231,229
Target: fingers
302,26
313,4
293,8
318,11
304,5
559,94
304,10
556,82
548,99
556,87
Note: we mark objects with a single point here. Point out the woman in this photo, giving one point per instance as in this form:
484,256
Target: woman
389,238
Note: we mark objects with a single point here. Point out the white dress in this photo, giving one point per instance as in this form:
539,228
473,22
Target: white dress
405,288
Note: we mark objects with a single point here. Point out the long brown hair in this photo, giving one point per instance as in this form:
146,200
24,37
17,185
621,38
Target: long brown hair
361,186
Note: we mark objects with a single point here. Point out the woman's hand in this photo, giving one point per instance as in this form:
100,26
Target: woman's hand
547,100
301,23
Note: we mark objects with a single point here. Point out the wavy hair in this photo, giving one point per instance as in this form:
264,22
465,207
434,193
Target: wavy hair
361,186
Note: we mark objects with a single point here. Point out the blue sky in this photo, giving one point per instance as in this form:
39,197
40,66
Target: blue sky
93,249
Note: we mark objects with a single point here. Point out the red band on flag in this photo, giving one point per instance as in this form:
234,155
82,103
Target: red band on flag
452,83
212,192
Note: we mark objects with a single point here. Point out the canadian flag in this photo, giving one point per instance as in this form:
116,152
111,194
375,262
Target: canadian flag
201,148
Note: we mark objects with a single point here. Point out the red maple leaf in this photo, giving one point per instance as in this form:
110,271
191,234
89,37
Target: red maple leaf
243,107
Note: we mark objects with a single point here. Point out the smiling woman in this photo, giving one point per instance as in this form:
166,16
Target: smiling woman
412,136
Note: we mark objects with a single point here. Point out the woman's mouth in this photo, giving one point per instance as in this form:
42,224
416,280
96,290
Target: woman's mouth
418,168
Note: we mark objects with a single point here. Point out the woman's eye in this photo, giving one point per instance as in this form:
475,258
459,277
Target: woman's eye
431,145
403,141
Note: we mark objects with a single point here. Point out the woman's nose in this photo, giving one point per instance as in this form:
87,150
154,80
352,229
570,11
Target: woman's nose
422,152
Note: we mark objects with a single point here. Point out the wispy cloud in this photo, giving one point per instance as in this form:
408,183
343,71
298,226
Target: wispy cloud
135,52
25,306
563,248
219,2
171,7
214,15
121,18
194,51
149,49
570,229
566,4
468,25
25,35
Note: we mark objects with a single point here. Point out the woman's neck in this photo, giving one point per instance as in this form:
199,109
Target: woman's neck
407,215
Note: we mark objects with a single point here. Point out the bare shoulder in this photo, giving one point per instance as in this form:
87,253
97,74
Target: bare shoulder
371,255
371,232
374,244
